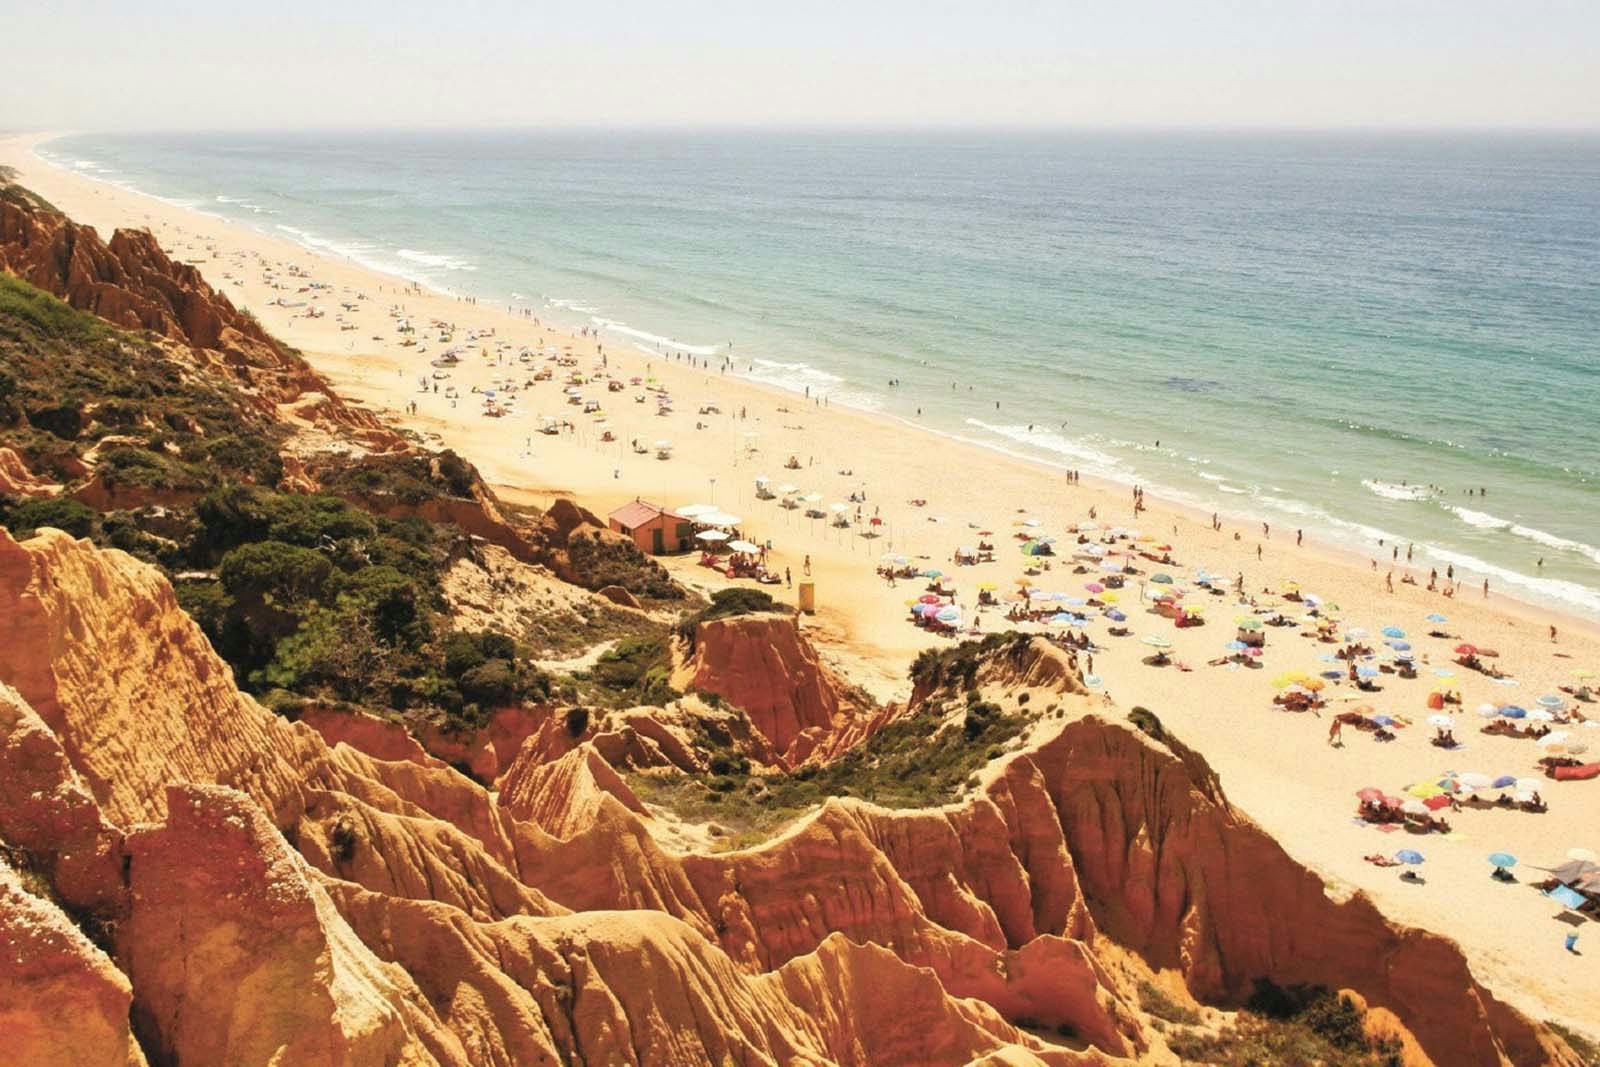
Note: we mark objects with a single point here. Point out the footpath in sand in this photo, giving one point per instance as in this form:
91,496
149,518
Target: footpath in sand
1276,766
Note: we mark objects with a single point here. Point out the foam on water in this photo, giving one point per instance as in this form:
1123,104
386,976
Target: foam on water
443,260
666,343
1098,462
1484,521
1396,491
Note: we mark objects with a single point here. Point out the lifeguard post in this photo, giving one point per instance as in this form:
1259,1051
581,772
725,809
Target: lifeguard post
807,601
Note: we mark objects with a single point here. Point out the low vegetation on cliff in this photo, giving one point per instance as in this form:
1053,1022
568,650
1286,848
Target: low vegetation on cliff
924,759
306,595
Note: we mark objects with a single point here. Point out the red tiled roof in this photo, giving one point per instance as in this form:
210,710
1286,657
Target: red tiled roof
639,512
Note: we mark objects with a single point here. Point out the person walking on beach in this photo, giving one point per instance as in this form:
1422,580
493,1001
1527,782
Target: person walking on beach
787,580
1486,589
1299,538
1333,733
807,566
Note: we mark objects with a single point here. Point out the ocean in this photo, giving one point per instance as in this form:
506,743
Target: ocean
1337,332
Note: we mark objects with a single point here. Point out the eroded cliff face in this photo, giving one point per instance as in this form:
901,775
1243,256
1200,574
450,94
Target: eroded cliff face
765,666
131,283
322,905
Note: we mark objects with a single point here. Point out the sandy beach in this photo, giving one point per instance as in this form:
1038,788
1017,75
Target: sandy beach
1277,766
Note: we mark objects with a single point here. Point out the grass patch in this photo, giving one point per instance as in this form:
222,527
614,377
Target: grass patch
921,761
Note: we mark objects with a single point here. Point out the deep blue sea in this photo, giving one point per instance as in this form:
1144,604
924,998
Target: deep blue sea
1315,327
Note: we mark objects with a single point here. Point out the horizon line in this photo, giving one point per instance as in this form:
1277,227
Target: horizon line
52,133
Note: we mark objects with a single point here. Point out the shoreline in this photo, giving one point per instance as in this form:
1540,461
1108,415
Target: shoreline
1568,617
1275,766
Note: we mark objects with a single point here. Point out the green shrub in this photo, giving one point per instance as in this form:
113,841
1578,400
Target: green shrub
637,669
61,512
493,683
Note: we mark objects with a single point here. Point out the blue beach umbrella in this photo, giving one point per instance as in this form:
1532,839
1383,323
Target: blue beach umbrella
1502,859
1081,623
1367,672
1551,701
1409,855
1400,646
1436,617
1333,676
1236,646
1511,711
1116,616
1393,631
1505,781
1383,720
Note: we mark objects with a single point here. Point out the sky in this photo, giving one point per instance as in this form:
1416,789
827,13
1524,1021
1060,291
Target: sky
292,64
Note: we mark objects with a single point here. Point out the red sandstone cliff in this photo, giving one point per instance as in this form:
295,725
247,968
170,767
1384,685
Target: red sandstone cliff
1097,839
764,665
131,283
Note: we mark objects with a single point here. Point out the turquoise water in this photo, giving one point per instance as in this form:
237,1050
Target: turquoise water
1311,326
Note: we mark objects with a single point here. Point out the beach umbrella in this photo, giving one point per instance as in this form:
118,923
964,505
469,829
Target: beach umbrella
1095,587
1505,781
986,587
1400,646
1248,623
1475,780
1355,633
1371,794
743,546
1110,598
1567,898
1511,711
1409,855
1116,616
1465,649
1551,701
1502,860
933,573
927,598
1423,790
894,558
1557,737
1367,672
1583,855
1156,641
1110,565
788,490
949,614
711,535
694,511
1436,617
1414,807
1444,722
1235,646
1333,676
1161,579
1393,631
1541,715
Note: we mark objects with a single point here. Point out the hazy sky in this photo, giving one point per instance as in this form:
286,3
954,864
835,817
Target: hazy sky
160,64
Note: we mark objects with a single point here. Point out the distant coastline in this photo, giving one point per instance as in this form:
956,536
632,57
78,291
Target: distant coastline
1355,523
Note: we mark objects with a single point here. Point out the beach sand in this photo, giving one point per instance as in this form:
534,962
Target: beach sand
1277,767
